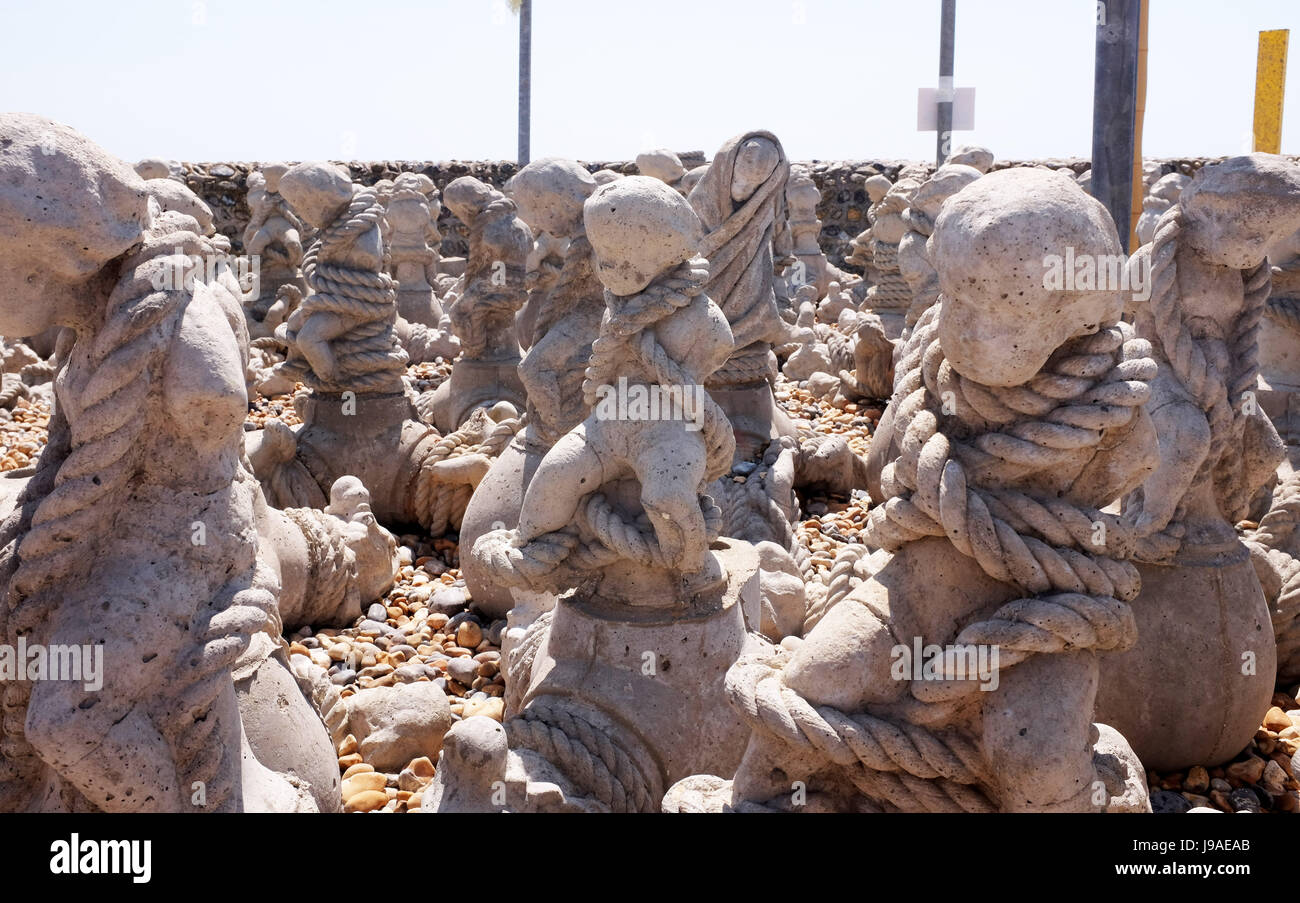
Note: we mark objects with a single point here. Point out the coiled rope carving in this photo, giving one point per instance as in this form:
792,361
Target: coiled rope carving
558,732
439,505
368,356
1216,393
331,564
104,455
891,291
938,486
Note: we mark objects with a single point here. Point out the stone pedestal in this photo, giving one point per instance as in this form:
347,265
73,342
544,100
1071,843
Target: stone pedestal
755,417
657,671
418,304
473,384
374,437
495,505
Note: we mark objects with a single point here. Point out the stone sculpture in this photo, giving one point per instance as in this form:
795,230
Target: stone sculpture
1279,351
996,486
357,418
412,215
890,296
1195,687
491,292
860,253
617,511
914,263
560,320
802,197
139,513
274,235
741,202
1163,195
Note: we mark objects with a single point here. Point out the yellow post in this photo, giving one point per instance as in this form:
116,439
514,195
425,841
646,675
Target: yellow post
1139,112
1270,82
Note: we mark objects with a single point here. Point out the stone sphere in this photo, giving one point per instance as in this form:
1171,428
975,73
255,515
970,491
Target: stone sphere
946,181
1234,210
64,201
661,164
273,173
639,227
172,195
550,193
981,158
467,197
318,192
153,168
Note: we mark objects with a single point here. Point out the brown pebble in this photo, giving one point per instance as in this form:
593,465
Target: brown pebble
469,634
1248,771
360,783
1276,720
366,801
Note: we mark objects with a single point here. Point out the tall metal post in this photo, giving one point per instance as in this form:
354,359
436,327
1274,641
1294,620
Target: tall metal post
947,91
1114,109
525,78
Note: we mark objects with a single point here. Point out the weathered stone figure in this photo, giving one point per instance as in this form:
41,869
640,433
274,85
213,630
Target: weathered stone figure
660,330
139,532
562,320
914,262
616,513
802,197
1018,414
1194,689
274,235
741,202
358,418
483,310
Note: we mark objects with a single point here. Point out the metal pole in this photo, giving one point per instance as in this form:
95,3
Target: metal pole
1139,116
947,26
1114,109
525,77
1270,83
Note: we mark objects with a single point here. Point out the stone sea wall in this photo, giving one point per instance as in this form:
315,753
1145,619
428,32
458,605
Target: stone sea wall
843,207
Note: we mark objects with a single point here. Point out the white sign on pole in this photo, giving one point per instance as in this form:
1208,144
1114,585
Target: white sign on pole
963,109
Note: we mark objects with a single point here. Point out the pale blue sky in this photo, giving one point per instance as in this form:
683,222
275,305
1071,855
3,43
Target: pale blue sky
435,80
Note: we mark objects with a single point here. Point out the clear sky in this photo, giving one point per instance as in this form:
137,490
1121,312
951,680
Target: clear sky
206,80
